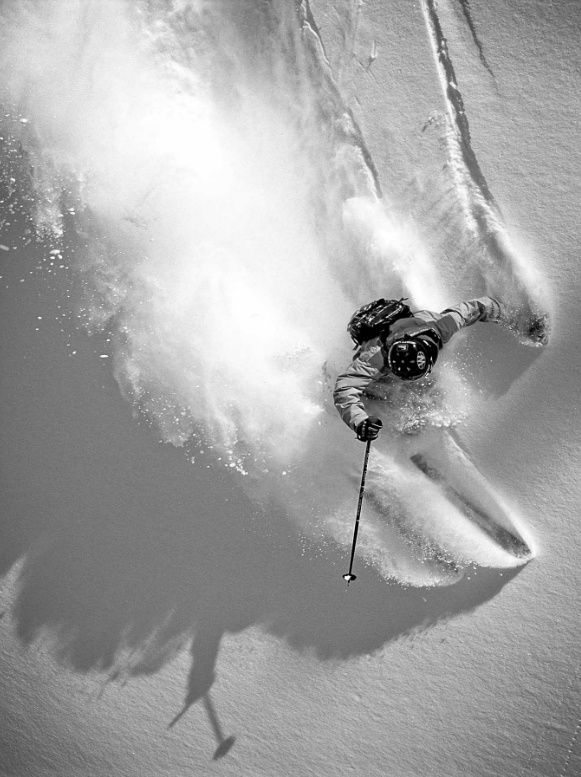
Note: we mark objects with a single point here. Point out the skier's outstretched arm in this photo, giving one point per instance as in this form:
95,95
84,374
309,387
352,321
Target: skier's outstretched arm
467,313
351,384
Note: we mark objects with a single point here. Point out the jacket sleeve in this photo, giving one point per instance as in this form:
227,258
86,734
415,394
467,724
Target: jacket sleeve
464,314
351,384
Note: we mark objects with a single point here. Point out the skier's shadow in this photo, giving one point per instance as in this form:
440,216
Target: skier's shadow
303,599
225,744
128,553
158,554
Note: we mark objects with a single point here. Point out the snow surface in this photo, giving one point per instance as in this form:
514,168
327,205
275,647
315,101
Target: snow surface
178,608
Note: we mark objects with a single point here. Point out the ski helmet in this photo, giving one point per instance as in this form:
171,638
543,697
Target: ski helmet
410,358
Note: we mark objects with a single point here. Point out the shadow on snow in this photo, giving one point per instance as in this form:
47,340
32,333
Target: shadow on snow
129,552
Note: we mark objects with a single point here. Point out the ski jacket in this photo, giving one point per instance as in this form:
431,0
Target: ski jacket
369,368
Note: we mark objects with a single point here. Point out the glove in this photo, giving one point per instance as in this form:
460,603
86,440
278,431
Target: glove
368,429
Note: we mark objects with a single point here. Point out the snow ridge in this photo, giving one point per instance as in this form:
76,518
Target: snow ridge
505,271
455,103
315,43
472,27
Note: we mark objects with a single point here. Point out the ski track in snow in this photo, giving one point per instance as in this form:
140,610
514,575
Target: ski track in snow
248,197
466,10
506,272
454,100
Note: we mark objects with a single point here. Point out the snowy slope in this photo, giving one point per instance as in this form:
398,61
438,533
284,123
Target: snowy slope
151,609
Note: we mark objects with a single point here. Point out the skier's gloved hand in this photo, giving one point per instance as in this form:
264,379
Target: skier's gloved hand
369,429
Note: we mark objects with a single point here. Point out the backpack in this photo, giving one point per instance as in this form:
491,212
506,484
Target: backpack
375,319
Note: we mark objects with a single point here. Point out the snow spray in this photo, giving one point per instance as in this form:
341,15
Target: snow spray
223,218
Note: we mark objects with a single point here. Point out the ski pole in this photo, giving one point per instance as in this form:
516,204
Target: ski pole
349,577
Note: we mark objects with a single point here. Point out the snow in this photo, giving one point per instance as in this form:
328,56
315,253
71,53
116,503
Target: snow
158,599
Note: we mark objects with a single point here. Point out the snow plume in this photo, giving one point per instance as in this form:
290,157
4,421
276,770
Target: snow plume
203,210
210,157
225,217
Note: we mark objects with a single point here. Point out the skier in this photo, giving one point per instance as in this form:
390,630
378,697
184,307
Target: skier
408,352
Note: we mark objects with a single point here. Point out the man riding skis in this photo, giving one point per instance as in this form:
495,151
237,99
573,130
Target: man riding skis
407,351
